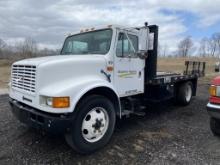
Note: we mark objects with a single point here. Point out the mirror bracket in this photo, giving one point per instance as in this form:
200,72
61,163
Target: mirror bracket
142,54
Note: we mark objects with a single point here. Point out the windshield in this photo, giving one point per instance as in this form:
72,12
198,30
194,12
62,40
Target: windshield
95,42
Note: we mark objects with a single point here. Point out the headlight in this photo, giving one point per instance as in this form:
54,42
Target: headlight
49,101
55,102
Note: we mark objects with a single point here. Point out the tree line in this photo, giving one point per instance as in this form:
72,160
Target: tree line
27,48
207,47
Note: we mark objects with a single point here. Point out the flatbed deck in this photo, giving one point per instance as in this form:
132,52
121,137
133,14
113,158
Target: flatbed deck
193,70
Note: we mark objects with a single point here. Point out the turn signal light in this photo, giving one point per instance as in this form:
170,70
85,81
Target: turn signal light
213,90
110,68
61,102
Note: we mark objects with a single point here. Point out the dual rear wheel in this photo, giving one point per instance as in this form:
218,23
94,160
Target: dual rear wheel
184,93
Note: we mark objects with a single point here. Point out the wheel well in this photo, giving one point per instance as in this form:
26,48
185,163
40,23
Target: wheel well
194,85
108,93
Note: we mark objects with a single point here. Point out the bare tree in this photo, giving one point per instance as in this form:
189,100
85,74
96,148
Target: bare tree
214,44
210,47
185,46
2,47
203,49
216,39
165,49
159,49
27,48
162,50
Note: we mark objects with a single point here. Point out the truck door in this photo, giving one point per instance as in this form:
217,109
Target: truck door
128,68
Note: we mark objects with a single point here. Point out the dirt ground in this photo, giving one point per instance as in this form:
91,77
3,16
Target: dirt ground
167,134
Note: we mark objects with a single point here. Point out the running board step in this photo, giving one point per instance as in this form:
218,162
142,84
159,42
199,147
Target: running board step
127,113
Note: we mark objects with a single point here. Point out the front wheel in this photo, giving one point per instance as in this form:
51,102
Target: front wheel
215,126
93,125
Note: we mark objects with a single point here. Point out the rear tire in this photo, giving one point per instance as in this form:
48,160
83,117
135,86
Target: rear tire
93,125
215,126
184,94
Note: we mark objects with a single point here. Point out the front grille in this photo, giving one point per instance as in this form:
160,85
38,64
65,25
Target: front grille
24,78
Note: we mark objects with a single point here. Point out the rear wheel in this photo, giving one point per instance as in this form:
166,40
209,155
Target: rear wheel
215,126
184,94
93,125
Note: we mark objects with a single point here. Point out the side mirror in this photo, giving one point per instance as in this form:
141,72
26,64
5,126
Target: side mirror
142,54
143,39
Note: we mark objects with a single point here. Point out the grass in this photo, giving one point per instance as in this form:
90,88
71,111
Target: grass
4,73
178,65
164,64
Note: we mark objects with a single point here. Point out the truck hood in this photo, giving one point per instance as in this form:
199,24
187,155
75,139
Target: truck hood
65,69
57,58
61,69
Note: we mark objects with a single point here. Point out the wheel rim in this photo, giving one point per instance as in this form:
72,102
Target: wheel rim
95,124
188,93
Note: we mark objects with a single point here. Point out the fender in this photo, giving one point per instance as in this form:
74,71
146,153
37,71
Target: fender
75,89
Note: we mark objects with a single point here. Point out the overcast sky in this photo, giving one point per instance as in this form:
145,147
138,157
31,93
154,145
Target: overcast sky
48,21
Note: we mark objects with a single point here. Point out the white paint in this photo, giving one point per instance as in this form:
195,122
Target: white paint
74,75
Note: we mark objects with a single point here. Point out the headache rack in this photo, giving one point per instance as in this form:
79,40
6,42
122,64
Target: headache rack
194,69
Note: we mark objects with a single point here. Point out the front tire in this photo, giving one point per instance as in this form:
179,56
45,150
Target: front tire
215,126
93,125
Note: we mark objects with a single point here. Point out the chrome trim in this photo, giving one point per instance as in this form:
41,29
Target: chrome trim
209,105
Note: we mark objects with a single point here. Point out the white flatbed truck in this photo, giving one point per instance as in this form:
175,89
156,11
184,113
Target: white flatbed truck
100,75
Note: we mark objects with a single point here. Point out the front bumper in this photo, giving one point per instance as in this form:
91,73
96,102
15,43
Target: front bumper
53,123
213,110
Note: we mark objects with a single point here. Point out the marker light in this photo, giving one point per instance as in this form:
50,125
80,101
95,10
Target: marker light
61,102
213,90
110,68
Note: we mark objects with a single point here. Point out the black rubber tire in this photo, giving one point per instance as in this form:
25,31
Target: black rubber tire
215,126
75,138
181,94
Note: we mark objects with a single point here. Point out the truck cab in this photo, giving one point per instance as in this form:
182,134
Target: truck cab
101,73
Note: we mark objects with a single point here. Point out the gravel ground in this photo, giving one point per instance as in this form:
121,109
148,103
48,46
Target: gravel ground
165,135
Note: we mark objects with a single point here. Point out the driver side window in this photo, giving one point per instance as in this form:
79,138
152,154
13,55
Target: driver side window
124,48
